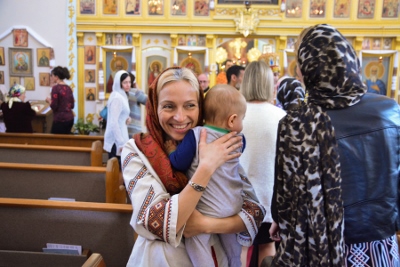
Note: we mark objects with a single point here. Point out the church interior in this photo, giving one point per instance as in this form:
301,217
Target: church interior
96,38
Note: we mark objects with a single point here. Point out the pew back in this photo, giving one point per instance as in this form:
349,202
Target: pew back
42,181
28,224
50,139
44,154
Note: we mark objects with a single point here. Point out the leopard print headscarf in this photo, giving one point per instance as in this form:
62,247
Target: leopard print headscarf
290,93
308,181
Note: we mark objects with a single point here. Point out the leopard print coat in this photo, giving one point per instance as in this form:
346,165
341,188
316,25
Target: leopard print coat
308,183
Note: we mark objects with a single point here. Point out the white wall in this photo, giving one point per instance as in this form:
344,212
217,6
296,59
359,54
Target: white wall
48,19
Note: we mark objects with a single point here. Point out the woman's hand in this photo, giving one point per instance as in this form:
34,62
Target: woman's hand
48,100
274,232
194,225
128,120
201,224
216,153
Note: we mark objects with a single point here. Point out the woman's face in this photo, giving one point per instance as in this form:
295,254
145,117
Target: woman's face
126,84
178,109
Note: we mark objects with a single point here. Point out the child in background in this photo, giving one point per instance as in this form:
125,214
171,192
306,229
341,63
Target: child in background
217,200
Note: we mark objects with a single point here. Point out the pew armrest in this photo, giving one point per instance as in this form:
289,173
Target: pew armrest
95,260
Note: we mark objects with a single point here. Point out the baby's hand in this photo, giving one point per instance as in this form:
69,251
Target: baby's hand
170,146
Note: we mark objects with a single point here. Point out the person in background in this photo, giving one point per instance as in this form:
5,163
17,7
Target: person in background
61,102
163,201
217,201
290,93
221,77
354,167
235,76
204,82
259,127
136,97
18,114
1,97
277,72
116,134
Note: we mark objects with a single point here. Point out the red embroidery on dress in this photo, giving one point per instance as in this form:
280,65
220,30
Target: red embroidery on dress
156,219
149,197
128,158
132,183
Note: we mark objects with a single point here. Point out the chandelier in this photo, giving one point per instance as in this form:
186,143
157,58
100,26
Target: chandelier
246,20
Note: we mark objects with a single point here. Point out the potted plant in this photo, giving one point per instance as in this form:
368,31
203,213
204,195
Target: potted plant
82,127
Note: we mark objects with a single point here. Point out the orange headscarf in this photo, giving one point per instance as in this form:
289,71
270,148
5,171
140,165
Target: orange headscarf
152,143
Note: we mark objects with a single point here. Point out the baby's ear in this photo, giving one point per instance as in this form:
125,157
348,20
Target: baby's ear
231,120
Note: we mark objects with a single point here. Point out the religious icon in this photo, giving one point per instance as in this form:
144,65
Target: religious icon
201,8
90,55
294,8
192,64
178,7
44,79
14,81
114,64
366,44
156,7
1,77
29,83
20,61
90,94
376,44
155,70
132,7
317,9
366,8
390,9
43,55
341,9
2,58
387,43
181,40
20,37
90,76
109,39
87,7
110,7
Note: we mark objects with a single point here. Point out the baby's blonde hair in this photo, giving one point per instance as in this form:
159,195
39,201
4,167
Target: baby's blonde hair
221,102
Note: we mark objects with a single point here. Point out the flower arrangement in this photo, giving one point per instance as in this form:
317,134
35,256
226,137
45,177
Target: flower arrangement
82,127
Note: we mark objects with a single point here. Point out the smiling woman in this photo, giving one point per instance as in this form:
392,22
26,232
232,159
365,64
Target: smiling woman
175,106
178,109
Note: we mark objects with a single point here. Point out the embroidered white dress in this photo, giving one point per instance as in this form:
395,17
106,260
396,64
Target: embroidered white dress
155,215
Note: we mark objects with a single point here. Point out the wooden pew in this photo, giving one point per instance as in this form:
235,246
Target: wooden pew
50,139
42,181
39,259
28,224
62,155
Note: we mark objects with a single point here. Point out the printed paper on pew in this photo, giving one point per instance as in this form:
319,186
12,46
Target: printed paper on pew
63,249
61,199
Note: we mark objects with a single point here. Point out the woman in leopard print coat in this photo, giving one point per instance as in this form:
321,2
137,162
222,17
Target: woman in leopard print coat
334,161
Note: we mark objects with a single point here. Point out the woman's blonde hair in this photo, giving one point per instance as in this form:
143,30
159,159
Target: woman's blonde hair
258,82
174,75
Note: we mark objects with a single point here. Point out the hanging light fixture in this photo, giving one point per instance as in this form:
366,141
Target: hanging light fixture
246,20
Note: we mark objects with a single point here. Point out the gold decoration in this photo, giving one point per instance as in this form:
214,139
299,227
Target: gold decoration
272,59
221,55
238,44
253,54
246,20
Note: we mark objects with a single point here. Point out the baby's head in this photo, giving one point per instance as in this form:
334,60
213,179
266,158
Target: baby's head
225,107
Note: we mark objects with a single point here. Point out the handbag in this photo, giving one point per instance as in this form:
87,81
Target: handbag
103,113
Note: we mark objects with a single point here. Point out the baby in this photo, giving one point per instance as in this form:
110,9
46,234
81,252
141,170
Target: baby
224,111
